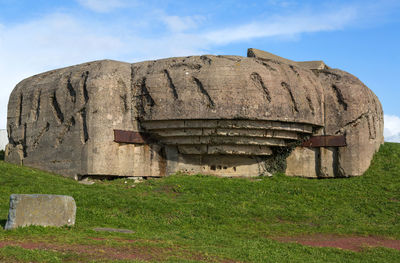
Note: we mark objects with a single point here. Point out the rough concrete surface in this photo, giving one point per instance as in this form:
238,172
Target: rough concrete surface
221,115
40,210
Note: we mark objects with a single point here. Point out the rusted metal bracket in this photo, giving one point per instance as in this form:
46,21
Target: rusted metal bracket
122,136
326,141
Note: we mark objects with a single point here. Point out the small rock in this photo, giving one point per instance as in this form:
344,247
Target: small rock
86,181
136,179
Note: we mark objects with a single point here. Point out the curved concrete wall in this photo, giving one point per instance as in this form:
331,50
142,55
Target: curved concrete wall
222,115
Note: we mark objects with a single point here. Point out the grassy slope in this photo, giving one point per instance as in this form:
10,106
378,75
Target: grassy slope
228,218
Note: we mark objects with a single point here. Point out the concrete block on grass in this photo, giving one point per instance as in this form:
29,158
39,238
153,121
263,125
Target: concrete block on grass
40,210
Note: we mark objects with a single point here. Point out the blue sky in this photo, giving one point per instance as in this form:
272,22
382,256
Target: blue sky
361,37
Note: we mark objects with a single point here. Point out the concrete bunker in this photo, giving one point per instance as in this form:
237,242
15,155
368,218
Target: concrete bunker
219,115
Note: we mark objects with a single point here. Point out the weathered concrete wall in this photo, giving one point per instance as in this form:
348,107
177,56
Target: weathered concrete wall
221,115
353,110
63,120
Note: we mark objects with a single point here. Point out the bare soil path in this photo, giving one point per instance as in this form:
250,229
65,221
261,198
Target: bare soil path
354,243
125,252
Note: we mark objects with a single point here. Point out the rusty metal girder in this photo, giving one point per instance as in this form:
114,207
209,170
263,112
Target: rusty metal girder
326,141
122,136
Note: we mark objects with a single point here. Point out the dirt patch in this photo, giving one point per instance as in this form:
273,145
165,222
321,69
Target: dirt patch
97,252
125,252
170,190
354,243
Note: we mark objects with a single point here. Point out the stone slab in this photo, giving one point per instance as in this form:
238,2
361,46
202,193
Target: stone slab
40,210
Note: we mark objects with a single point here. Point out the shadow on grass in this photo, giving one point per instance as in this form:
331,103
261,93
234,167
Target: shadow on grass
3,223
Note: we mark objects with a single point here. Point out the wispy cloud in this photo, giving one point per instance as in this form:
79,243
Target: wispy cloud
179,24
392,128
102,6
284,26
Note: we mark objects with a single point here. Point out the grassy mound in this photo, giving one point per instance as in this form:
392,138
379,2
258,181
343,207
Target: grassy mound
202,218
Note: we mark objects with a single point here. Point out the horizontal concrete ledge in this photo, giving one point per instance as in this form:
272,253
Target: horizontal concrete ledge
227,124
217,140
280,134
225,149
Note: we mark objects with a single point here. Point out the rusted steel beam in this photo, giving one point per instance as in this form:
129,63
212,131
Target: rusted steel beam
326,141
122,136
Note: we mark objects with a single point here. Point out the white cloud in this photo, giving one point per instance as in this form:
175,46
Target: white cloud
102,6
284,26
392,128
180,24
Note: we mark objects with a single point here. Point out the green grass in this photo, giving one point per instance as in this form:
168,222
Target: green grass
216,218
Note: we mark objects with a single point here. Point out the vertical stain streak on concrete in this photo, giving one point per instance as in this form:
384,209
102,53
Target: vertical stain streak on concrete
203,91
134,99
56,108
339,96
10,135
35,110
294,70
23,143
66,128
310,105
371,127
122,86
84,128
71,90
85,76
38,106
162,162
144,92
171,84
376,105
141,97
19,109
124,102
319,96
40,135
259,83
287,87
